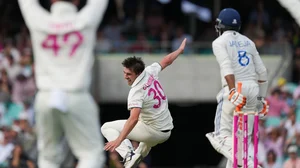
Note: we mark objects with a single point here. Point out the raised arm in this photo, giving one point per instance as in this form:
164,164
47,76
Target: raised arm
33,13
92,13
292,6
168,60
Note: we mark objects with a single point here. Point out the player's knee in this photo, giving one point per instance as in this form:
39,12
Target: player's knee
104,127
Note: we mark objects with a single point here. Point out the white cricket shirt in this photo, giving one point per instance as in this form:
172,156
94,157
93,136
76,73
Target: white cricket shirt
147,93
237,55
63,42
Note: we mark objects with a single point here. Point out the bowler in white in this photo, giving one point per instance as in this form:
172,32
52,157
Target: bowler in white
150,121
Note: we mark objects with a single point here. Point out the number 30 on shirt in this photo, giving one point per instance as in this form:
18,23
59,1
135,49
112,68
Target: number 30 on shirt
51,42
157,93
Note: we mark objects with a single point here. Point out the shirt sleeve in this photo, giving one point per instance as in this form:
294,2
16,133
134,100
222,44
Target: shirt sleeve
135,98
92,13
154,69
223,58
260,68
33,13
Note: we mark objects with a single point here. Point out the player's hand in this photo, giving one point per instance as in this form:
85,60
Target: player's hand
112,145
237,98
262,107
182,46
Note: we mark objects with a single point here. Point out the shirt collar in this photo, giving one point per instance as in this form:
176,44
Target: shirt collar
229,31
138,79
62,7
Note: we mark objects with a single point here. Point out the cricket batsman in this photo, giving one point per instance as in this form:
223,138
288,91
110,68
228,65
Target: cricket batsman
63,41
239,61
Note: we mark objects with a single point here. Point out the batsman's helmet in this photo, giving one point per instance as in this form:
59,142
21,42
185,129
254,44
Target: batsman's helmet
228,19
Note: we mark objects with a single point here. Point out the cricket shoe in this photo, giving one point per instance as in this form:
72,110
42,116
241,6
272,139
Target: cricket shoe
135,161
128,157
223,145
132,160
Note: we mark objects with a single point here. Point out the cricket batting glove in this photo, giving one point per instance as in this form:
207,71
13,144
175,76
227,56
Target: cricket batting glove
237,98
262,107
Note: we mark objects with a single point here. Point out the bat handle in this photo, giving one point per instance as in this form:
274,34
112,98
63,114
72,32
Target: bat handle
239,90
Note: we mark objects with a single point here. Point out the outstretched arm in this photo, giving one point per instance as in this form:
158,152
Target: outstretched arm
168,60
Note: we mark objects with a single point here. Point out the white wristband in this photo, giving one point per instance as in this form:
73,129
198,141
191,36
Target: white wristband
263,89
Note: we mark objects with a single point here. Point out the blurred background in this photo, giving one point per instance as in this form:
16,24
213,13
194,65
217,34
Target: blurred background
151,29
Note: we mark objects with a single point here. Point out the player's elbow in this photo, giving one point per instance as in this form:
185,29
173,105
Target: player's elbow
168,61
134,114
263,75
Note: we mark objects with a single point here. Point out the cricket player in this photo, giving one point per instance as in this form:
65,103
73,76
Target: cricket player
63,41
150,121
239,61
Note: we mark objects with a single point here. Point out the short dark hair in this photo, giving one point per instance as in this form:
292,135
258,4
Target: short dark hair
272,152
135,64
276,91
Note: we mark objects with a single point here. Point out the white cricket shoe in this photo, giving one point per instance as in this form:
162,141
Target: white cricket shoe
128,157
136,158
223,145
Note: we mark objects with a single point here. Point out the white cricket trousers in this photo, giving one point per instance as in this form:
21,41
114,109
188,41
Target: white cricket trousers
225,109
147,136
224,112
79,125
